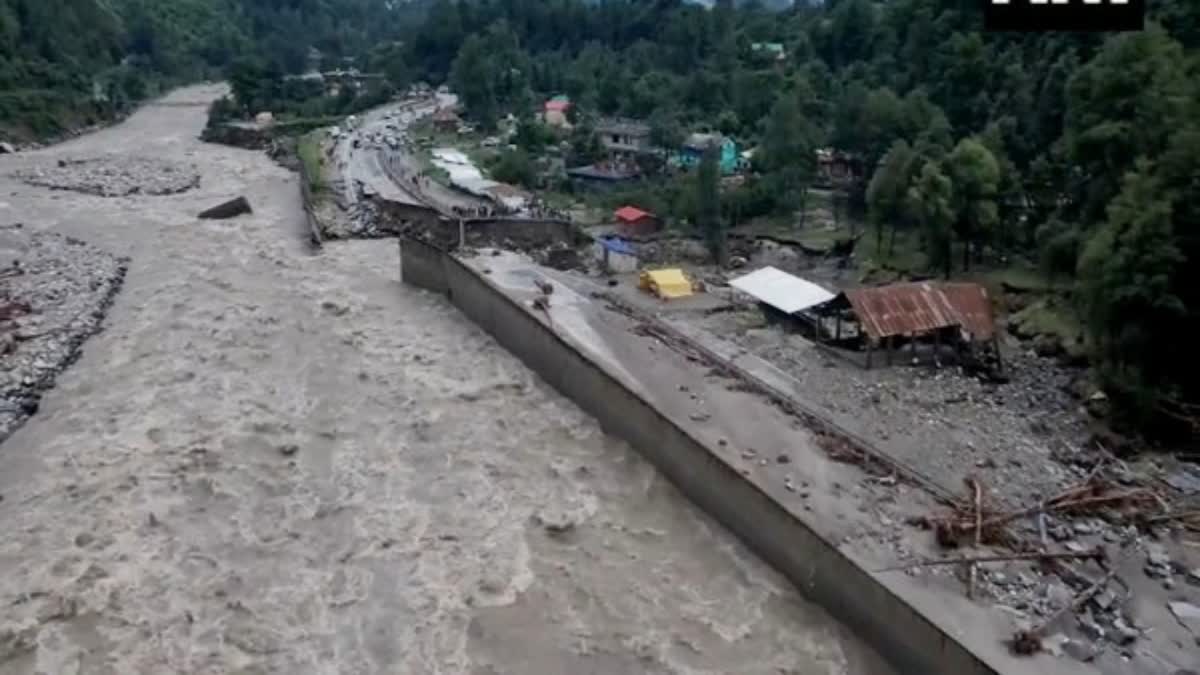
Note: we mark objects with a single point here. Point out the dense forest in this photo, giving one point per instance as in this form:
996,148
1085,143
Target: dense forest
1079,153
68,63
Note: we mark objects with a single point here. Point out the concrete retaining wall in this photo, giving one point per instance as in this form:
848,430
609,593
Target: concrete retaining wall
901,634
314,224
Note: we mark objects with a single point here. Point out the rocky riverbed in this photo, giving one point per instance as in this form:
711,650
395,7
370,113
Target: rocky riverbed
114,176
54,293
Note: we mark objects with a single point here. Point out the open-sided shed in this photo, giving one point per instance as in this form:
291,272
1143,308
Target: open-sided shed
961,312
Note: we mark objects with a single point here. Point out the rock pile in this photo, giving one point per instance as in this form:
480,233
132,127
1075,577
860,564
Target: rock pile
1015,435
59,289
115,176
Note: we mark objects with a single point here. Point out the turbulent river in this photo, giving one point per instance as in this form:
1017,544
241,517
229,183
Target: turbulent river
278,462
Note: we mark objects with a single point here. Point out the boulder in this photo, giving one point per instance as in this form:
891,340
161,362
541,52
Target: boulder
229,209
7,148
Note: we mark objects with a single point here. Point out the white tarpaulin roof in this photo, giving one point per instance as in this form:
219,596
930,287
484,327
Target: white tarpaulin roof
785,292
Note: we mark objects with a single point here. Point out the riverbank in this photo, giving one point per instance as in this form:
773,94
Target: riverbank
276,461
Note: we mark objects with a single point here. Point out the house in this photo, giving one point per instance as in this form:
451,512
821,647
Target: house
624,136
555,110
446,120
697,144
617,255
835,167
604,175
769,50
634,222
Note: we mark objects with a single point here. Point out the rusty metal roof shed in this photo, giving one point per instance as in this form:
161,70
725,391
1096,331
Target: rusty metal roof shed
922,307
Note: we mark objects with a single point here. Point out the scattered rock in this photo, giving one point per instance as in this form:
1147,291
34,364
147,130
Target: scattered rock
1089,627
229,209
289,449
1156,555
1186,479
556,524
1080,651
783,459
67,286
7,148
1187,614
1124,633
114,176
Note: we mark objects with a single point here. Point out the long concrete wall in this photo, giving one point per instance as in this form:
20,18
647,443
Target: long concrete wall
899,632
310,216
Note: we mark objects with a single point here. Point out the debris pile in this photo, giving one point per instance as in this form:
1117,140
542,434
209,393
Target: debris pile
1067,577
114,176
54,293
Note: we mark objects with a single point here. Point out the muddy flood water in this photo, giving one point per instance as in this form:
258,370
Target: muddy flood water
279,462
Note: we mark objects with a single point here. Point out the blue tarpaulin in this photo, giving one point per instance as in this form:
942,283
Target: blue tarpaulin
617,245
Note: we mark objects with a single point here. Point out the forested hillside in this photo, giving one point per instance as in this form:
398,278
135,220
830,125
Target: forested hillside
64,63
1080,153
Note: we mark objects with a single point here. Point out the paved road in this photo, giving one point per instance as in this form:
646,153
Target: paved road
274,462
388,171
357,152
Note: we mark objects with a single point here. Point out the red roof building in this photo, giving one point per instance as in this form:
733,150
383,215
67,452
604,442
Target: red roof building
634,222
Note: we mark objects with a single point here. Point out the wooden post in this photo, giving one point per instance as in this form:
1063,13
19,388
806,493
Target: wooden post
869,344
996,346
462,234
891,344
838,330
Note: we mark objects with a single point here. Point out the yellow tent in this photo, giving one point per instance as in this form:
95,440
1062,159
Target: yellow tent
666,284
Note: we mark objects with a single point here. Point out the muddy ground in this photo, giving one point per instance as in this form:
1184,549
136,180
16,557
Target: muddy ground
275,462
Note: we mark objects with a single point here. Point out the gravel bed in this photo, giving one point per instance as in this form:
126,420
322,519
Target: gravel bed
115,176
54,293
1013,435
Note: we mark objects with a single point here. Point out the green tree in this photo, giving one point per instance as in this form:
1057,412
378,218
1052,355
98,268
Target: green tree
888,193
708,205
1122,105
1127,274
788,155
976,179
932,198
471,75
514,167
586,147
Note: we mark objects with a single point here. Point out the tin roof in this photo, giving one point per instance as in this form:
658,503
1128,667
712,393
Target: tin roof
922,307
625,127
783,291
